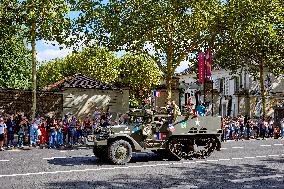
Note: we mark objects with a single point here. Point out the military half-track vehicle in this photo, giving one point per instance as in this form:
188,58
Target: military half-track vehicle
186,138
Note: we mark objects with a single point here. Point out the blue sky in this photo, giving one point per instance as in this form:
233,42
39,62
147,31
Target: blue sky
46,50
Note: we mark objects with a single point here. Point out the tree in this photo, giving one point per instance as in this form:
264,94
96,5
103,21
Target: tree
171,28
140,74
253,36
94,62
42,19
15,67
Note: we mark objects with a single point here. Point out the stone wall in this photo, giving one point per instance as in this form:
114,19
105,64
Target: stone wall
81,102
13,101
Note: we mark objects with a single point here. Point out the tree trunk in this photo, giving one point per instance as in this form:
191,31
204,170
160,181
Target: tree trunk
261,80
33,43
169,86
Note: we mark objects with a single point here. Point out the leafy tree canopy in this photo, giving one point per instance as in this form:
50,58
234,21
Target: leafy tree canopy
253,33
253,36
171,28
140,74
15,65
94,62
137,72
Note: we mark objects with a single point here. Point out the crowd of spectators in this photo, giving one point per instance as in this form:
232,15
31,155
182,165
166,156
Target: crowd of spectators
16,131
242,127
45,131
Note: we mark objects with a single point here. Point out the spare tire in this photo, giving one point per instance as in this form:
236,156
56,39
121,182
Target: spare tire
120,152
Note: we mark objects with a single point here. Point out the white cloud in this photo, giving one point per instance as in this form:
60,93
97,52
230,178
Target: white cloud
49,54
183,65
48,50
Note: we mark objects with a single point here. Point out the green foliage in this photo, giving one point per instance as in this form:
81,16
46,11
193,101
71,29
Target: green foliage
253,33
15,65
140,74
48,16
137,72
253,36
172,29
94,62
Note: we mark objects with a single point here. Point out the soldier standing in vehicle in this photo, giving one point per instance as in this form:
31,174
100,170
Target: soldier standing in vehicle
176,111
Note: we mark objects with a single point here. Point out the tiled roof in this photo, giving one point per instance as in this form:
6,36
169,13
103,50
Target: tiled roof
79,81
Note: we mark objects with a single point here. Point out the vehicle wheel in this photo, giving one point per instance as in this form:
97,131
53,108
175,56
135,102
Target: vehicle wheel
120,152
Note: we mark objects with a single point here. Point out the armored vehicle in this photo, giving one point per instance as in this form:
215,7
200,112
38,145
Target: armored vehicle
186,138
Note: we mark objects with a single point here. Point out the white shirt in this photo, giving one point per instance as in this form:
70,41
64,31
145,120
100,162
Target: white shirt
2,128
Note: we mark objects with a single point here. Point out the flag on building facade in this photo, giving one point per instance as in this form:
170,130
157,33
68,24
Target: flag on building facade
201,67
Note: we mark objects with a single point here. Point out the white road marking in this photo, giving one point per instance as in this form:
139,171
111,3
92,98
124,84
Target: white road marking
62,151
4,160
278,144
62,157
177,163
182,186
265,145
47,158
256,178
273,155
212,160
55,158
223,148
141,166
261,156
202,161
163,164
189,162
239,147
224,159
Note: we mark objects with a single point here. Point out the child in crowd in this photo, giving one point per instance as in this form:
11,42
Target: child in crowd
65,123
34,132
21,136
60,130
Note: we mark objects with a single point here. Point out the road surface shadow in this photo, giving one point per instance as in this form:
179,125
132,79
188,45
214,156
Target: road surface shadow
90,160
205,175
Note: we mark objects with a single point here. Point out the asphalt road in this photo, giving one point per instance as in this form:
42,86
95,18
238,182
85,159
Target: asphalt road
242,164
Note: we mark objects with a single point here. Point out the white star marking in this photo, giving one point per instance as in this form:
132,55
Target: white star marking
197,122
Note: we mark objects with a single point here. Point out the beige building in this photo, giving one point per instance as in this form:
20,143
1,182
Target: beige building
82,94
